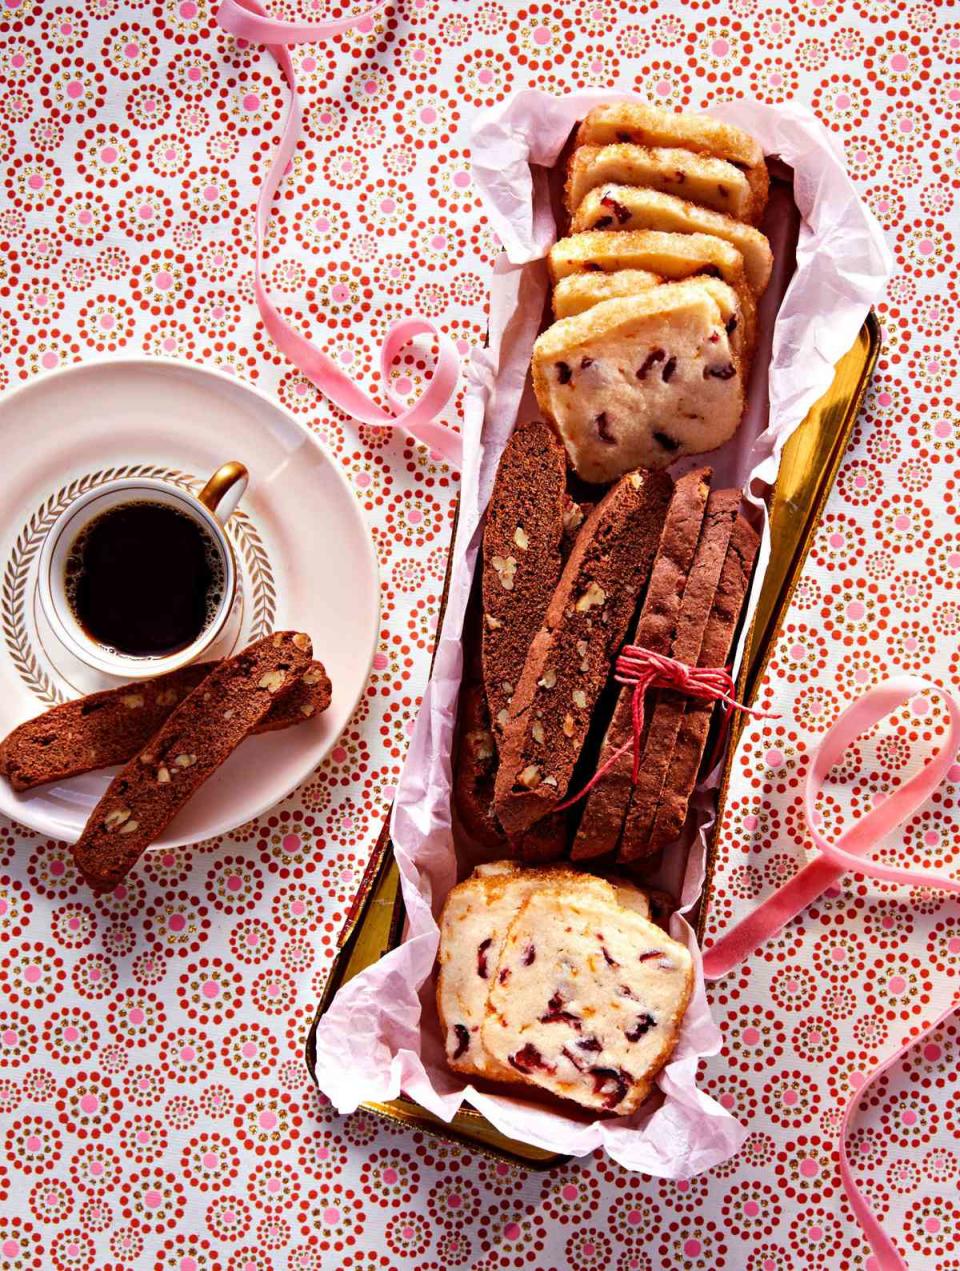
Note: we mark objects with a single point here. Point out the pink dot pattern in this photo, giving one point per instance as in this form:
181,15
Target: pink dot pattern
155,1111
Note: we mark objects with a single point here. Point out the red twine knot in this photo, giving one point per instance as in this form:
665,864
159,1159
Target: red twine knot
643,669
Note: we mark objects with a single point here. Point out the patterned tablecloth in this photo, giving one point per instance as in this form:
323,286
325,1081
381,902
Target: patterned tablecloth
156,1112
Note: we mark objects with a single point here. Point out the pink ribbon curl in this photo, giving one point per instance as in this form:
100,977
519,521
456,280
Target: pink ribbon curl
248,20
852,851
643,669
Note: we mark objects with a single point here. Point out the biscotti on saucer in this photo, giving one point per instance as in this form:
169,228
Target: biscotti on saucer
195,739
110,727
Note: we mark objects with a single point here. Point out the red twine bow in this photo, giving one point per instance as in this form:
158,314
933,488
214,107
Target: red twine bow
643,669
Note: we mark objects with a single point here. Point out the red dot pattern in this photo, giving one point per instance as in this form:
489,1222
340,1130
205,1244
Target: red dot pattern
155,1111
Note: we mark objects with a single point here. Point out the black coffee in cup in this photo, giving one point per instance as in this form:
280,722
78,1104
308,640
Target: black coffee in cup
144,579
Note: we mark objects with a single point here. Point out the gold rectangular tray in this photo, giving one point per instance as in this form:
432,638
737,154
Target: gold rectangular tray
808,467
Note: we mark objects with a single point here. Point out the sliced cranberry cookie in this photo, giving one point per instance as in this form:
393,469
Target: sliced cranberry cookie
712,183
640,381
473,927
646,125
588,999
625,208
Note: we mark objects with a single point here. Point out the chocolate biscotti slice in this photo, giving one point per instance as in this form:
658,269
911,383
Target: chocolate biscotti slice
202,732
587,1000
570,657
640,381
607,803
713,183
521,556
623,208
665,707
110,727
646,125
691,740
473,926
475,751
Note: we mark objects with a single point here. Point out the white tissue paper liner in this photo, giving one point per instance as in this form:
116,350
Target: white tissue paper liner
381,1035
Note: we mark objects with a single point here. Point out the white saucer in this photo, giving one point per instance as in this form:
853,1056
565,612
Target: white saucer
305,561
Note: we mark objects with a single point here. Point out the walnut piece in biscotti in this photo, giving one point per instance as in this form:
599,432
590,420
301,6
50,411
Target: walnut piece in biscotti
588,999
197,737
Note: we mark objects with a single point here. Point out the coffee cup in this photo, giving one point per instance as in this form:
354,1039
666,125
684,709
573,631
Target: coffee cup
137,577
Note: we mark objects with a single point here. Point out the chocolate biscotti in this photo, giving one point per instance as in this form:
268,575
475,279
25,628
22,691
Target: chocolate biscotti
110,727
190,746
521,556
475,757
606,805
691,740
665,707
570,657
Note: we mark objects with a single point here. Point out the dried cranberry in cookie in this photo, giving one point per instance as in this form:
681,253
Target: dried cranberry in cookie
595,1013
663,380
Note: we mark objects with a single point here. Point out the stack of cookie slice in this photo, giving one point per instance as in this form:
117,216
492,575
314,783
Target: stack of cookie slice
691,610
560,980
655,289
662,566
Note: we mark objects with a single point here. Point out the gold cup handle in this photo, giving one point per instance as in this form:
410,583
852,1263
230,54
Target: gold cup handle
225,489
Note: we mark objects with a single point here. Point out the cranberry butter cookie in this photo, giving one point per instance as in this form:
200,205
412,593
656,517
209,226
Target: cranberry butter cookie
640,381
712,183
587,999
646,125
626,208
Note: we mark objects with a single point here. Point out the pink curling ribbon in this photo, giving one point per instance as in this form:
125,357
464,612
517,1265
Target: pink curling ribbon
644,670
851,851
248,20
